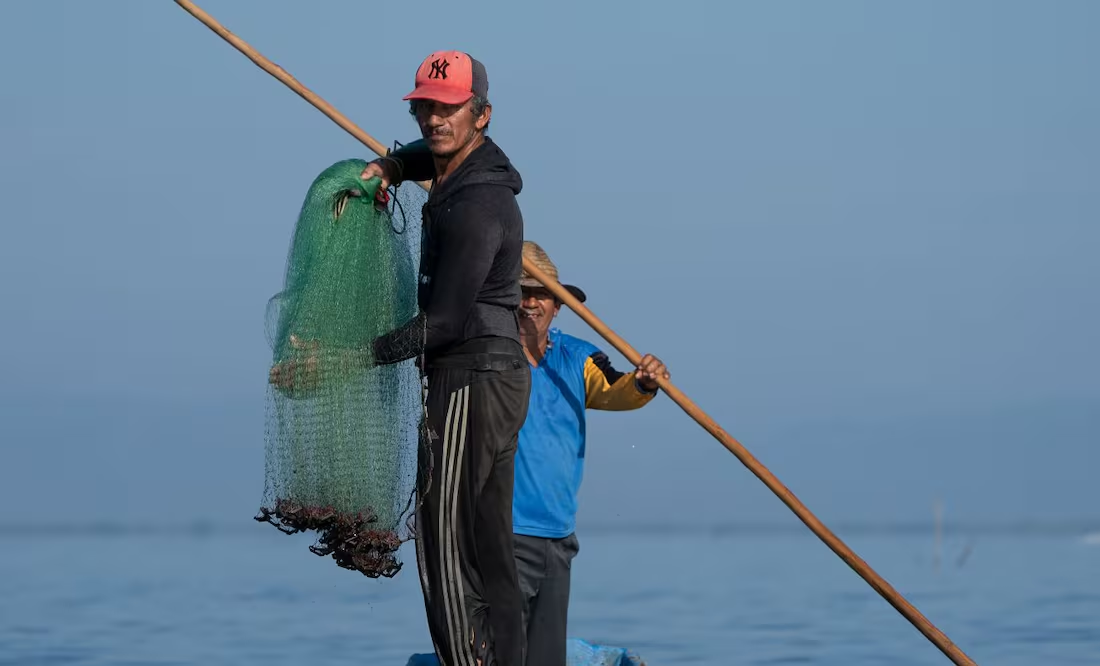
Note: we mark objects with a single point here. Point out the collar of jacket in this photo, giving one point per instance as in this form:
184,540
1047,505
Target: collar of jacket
487,164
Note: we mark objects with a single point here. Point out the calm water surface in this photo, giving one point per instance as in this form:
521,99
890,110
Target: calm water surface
260,597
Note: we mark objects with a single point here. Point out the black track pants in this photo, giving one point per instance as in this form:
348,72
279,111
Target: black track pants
476,404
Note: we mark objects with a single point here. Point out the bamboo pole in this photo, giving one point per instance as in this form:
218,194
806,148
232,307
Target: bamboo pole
937,637
930,631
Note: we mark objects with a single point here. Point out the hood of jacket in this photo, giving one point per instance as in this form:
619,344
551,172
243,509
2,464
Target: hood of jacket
487,164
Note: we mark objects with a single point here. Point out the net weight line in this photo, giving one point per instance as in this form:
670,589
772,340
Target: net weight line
879,584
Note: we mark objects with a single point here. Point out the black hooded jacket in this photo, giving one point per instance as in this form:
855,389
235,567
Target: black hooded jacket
471,255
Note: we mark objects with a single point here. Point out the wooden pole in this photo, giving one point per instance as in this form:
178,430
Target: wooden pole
775,485
891,595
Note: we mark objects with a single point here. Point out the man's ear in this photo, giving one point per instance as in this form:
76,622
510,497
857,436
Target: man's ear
483,120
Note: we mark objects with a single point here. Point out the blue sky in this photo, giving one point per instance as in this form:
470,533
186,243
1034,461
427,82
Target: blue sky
863,235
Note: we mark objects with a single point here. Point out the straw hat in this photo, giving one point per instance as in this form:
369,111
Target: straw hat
537,256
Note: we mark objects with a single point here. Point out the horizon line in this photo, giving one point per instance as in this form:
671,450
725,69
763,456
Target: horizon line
1027,527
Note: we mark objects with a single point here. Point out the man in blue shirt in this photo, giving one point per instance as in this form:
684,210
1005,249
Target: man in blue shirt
568,376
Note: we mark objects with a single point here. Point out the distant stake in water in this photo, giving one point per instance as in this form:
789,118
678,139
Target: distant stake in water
937,511
937,637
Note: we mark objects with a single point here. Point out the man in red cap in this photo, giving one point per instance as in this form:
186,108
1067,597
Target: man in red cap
478,378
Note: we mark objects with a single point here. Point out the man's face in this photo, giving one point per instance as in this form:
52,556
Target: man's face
447,127
537,310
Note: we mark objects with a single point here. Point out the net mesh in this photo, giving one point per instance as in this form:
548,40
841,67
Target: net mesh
341,433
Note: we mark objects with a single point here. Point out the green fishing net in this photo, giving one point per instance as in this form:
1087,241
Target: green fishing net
341,433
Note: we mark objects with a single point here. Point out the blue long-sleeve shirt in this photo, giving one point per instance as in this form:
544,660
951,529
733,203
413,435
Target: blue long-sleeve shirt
573,376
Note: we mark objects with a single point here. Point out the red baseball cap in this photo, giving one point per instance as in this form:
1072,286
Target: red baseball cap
450,77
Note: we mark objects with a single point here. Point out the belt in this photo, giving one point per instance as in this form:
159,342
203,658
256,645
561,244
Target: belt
479,361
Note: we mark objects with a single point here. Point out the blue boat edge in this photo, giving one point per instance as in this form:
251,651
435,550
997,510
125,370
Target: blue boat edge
578,653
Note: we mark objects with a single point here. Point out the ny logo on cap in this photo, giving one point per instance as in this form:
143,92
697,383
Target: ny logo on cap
439,69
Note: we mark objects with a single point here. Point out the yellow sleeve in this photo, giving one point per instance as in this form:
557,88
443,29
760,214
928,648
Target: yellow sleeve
608,389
